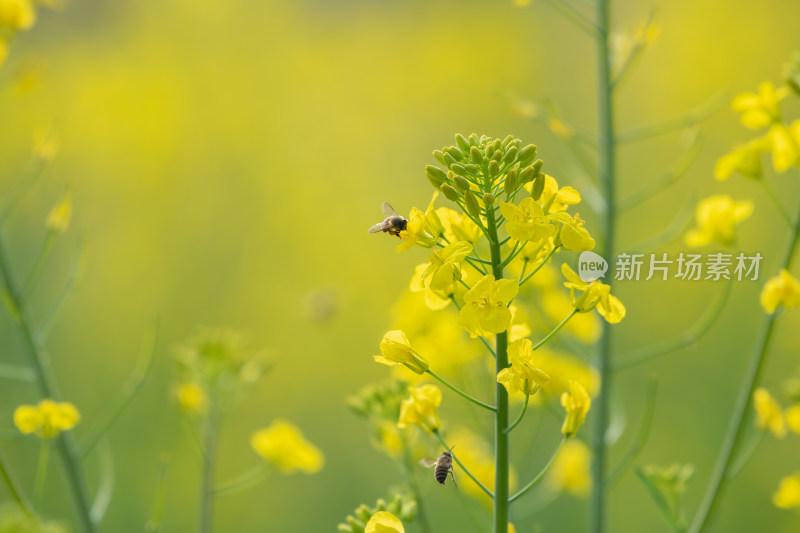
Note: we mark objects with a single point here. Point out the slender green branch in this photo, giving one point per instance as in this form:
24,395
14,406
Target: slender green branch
634,54
244,481
522,272
40,262
206,510
641,437
105,489
676,228
21,186
541,474
540,265
514,253
153,524
75,270
14,488
464,468
479,260
19,373
460,392
555,330
746,453
521,415
775,200
687,120
719,476
41,474
580,20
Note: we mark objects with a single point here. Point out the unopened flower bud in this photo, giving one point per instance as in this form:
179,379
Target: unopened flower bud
380,505
409,511
458,169
435,175
356,525
471,169
494,168
511,154
439,156
449,192
471,203
457,154
473,139
537,167
449,160
496,145
344,528
527,154
538,187
497,155
461,183
488,199
508,140
363,513
462,142
510,185
476,155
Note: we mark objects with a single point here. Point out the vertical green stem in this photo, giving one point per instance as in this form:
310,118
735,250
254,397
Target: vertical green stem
13,487
719,476
606,169
501,490
205,522
41,474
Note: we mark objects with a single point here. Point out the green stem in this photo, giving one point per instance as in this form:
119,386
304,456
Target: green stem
719,477
540,265
38,265
408,462
772,196
205,523
575,16
41,474
47,386
154,522
244,481
459,463
606,171
555,330
501,475
460,392
541,474
14,488
521,415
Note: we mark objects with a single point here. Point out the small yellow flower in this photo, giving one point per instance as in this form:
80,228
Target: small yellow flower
788,494
444,268
768,413
762,109
577,403
60,216
17,14
744,159
570,470
554,198
420,408
560,128
522,375
384,522
783,289
396,350
3,51
485,310
415,232
784,142
573,235
192,398
792,415
47,420
594,295
526,221
458,227
717,217
283,445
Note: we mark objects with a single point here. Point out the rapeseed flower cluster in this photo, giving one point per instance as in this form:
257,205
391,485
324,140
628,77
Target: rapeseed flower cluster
47,419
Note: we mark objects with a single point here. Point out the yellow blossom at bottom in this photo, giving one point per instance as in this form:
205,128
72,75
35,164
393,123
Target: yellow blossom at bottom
47,420
570,470
384,522
788,494
283,445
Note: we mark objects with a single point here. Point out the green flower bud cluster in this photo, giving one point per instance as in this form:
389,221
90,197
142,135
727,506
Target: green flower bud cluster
380,401
402,505
477,169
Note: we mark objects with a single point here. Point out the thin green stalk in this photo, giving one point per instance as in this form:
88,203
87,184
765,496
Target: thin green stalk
555,330
606,170
775,200
243,481
521,415
41,474
541,474
17,372
47,386
459,463
719,476
205,523
501,476
38,264
575,16
154,523
460,392
746,453
540,265
422,516
14,488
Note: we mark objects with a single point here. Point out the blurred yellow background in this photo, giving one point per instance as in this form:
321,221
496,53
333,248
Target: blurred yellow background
226,159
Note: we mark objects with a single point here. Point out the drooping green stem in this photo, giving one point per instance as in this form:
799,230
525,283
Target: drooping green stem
719,476
243,481
459,463
460,392
41,474
521,415
541,474
606,169
154,522
501,488
13,488
555,329
206,519
47,386
39,263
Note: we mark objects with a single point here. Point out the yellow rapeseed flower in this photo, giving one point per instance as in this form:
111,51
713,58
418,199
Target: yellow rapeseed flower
574,236
570,470
415,232
527,221
522,375
420,408
762,109
744,159
577,403
783,289
384,522
485,310
17,14
47,420
396,350
192,398
784,143
560,128
594,295
768,413
792,416
283,445
717,217
788,494
554,198
444,266
59,218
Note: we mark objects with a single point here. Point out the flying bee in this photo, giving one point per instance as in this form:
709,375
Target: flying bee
393,224
444,466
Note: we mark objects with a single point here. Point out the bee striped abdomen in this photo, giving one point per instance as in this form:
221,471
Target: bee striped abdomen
441,473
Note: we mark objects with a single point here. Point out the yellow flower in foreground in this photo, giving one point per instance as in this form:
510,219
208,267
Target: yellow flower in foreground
384,522
396,350
192,398
47,419
573,235
60,216
526,221
577,403
420,408
485,311
17,14
594,295
792,415
522,376
783,289
283,445
555,199
744,159
415,232
570,470
788,494
717,217
762,109
768,413
444,268
785,146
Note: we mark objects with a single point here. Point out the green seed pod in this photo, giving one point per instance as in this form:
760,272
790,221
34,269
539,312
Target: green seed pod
435,175
363,513
538,187
511,154
457,154
527,154
449,192
494,168
458,168
510,185
488,199
462,142
476,155
471,203
537,167
449,160
471,169
439,156
461,183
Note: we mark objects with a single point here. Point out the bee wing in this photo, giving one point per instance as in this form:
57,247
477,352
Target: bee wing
428,462
376,228
388,210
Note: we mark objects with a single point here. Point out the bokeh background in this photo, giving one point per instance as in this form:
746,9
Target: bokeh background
226,159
